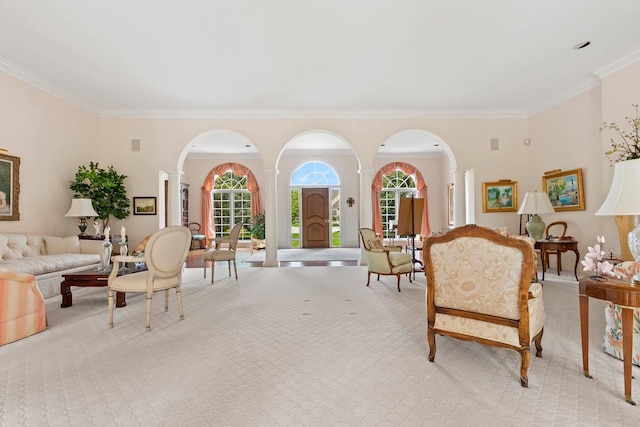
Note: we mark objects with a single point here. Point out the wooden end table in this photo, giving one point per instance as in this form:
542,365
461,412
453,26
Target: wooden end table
618,292
93,278
560,246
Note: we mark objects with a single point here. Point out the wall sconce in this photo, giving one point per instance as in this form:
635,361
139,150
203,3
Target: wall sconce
350,201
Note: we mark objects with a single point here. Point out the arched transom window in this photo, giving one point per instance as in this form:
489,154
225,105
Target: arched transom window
231,202
395,186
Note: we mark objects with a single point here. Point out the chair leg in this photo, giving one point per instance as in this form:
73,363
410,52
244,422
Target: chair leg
524,368
166,300
431,336
212,269
229,267
110,308
368,277
235,269
148,313
398,275
179,297
538,342
205,269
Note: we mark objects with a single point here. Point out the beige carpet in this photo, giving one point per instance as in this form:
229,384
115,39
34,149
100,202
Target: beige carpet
300,347
301,255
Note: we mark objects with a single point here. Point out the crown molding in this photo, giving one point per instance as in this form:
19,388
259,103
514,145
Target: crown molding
623,62
25,76
565,96
291,114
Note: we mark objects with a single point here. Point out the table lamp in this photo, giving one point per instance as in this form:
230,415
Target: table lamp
624,199
82,208
536,203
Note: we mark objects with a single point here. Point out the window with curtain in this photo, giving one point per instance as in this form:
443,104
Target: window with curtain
231,203
395,186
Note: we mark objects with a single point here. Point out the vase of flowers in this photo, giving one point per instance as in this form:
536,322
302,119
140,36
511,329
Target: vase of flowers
595,261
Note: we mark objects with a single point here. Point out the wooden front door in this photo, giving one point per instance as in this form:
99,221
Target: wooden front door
315,218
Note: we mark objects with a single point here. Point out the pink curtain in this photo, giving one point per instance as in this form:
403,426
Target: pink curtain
376,187
207,187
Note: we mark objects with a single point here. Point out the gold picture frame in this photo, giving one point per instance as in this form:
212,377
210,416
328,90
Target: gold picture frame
565,189
450,218
500,196
9,188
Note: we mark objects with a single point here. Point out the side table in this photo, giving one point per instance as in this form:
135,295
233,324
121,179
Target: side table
618,292
560,246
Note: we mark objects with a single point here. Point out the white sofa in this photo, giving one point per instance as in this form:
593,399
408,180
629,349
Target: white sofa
47,257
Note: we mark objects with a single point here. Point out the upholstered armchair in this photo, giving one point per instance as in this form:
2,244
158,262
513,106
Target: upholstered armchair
165,254
479,289
384,260
612,342
22,309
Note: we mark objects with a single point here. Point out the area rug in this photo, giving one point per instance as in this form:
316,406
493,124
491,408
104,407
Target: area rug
326,254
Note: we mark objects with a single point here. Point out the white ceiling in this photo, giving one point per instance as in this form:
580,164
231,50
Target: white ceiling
171,58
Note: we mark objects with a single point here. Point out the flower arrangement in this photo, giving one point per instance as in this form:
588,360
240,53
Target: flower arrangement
629,148
593,260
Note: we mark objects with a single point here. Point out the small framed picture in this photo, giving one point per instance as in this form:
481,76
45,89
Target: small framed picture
144,206
564,189
500,196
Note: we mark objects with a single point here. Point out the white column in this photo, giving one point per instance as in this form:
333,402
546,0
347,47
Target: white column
271,218
366,210
459,205
173,199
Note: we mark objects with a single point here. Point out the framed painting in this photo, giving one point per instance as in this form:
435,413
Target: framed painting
565,189
9,188
450,204
144,206
500,196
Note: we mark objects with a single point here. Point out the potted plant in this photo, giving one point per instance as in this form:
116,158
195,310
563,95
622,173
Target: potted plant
105,187
258,231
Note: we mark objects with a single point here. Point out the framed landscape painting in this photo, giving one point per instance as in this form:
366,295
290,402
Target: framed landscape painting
500,196
144,206
9,188
565,189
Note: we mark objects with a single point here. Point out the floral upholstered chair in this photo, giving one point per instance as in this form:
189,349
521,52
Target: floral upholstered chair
384,260
612,342
479,289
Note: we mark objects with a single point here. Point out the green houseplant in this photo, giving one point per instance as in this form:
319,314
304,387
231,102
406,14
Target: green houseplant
258,231
629,147
105,187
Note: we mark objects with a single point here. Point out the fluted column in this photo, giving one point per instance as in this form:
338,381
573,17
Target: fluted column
173,199
459,204
366,210
271,218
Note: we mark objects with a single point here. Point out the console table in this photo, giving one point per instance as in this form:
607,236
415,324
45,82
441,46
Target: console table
560,246
618,292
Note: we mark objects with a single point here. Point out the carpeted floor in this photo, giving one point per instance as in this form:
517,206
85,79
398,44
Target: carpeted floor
302,255
297,347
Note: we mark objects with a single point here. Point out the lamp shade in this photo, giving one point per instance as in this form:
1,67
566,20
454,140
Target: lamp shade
624,193
81,208
536,203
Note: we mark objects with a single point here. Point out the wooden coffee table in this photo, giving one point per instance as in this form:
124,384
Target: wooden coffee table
93,278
